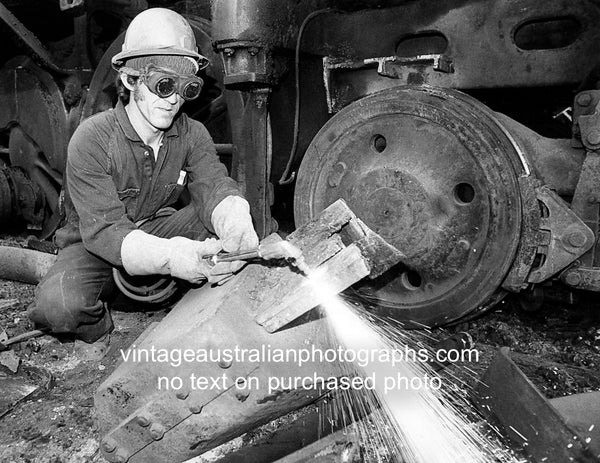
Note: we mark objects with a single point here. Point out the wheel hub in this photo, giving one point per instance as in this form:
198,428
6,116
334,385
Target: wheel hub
434,175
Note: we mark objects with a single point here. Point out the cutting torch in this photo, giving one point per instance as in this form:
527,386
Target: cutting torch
270,251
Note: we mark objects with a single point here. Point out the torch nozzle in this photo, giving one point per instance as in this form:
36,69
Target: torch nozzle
269,251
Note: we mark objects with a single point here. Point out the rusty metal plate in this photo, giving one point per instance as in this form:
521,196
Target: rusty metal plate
520,43
435,174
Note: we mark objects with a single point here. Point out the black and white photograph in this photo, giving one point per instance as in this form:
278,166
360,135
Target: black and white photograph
297,231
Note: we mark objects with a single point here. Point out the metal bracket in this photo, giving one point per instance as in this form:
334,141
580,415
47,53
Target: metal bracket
391,66
387,66
563,236
584,106
245,62
585,274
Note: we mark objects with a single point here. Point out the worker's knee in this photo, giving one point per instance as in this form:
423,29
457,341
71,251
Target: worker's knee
61,304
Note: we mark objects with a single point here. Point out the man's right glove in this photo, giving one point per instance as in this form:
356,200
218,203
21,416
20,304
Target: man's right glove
145,254
232,222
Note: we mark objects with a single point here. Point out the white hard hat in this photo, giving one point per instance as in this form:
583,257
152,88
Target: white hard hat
156,32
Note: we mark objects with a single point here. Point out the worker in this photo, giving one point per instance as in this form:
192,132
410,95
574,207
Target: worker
126,169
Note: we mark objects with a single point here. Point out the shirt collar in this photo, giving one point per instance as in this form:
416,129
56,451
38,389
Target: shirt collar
130,132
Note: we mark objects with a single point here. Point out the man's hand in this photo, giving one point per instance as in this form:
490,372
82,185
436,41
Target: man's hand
233,224
145,254
187,258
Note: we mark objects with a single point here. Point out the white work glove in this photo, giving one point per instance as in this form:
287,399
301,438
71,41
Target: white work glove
233,225
145,254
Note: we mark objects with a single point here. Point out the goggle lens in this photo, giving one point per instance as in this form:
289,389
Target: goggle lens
191,91
165,84
165,87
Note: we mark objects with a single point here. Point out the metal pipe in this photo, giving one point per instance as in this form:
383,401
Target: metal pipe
24,265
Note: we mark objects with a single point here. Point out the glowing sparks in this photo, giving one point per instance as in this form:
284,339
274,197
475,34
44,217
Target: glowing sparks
419,424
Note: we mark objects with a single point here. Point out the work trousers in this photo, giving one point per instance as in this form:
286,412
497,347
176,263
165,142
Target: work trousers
71,296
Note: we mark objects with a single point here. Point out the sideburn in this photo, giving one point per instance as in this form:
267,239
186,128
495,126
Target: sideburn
137,94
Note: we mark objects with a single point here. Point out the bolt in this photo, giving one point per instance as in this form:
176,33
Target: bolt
584,99
157,431
182,395
593,137
109,445
229,52
573,278
575,239
195,409
253,51
143,421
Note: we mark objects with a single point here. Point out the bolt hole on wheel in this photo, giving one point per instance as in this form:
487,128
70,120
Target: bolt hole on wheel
411,280
464,193
379,143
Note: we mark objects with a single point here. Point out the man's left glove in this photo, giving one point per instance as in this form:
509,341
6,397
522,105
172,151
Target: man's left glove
233,225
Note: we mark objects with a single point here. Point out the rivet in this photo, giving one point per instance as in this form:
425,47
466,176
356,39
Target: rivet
195,409
143,421
593,137
592,199
337,174
242,395
120,457
576,239
253,51
229,51
573,278
225,363
584,99
182,395
157,431
109,445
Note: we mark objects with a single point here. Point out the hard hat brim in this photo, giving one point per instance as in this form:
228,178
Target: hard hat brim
119,59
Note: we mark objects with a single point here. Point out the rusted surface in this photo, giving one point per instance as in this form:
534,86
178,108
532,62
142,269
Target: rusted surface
141,422
435,175
433,27
201,420
340,271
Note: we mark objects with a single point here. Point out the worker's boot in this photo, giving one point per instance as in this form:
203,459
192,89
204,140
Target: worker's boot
92,352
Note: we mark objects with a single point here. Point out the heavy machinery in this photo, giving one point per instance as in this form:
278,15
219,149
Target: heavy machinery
395,106
464,132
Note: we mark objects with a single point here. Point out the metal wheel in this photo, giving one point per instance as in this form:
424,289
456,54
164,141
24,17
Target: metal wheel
432,172
34,119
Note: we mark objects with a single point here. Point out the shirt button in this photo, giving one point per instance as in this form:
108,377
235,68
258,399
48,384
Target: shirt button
146,153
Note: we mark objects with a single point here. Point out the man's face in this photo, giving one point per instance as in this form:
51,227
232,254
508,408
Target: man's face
153,110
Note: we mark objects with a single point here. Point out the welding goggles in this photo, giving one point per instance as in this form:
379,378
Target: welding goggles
164,83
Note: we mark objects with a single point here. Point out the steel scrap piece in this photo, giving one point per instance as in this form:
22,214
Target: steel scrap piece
210,391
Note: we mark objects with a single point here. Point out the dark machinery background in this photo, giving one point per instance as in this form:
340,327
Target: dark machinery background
464,132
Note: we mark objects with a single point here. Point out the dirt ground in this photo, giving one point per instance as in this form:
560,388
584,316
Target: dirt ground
558,347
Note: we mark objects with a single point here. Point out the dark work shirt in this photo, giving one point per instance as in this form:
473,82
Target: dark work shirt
114,181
